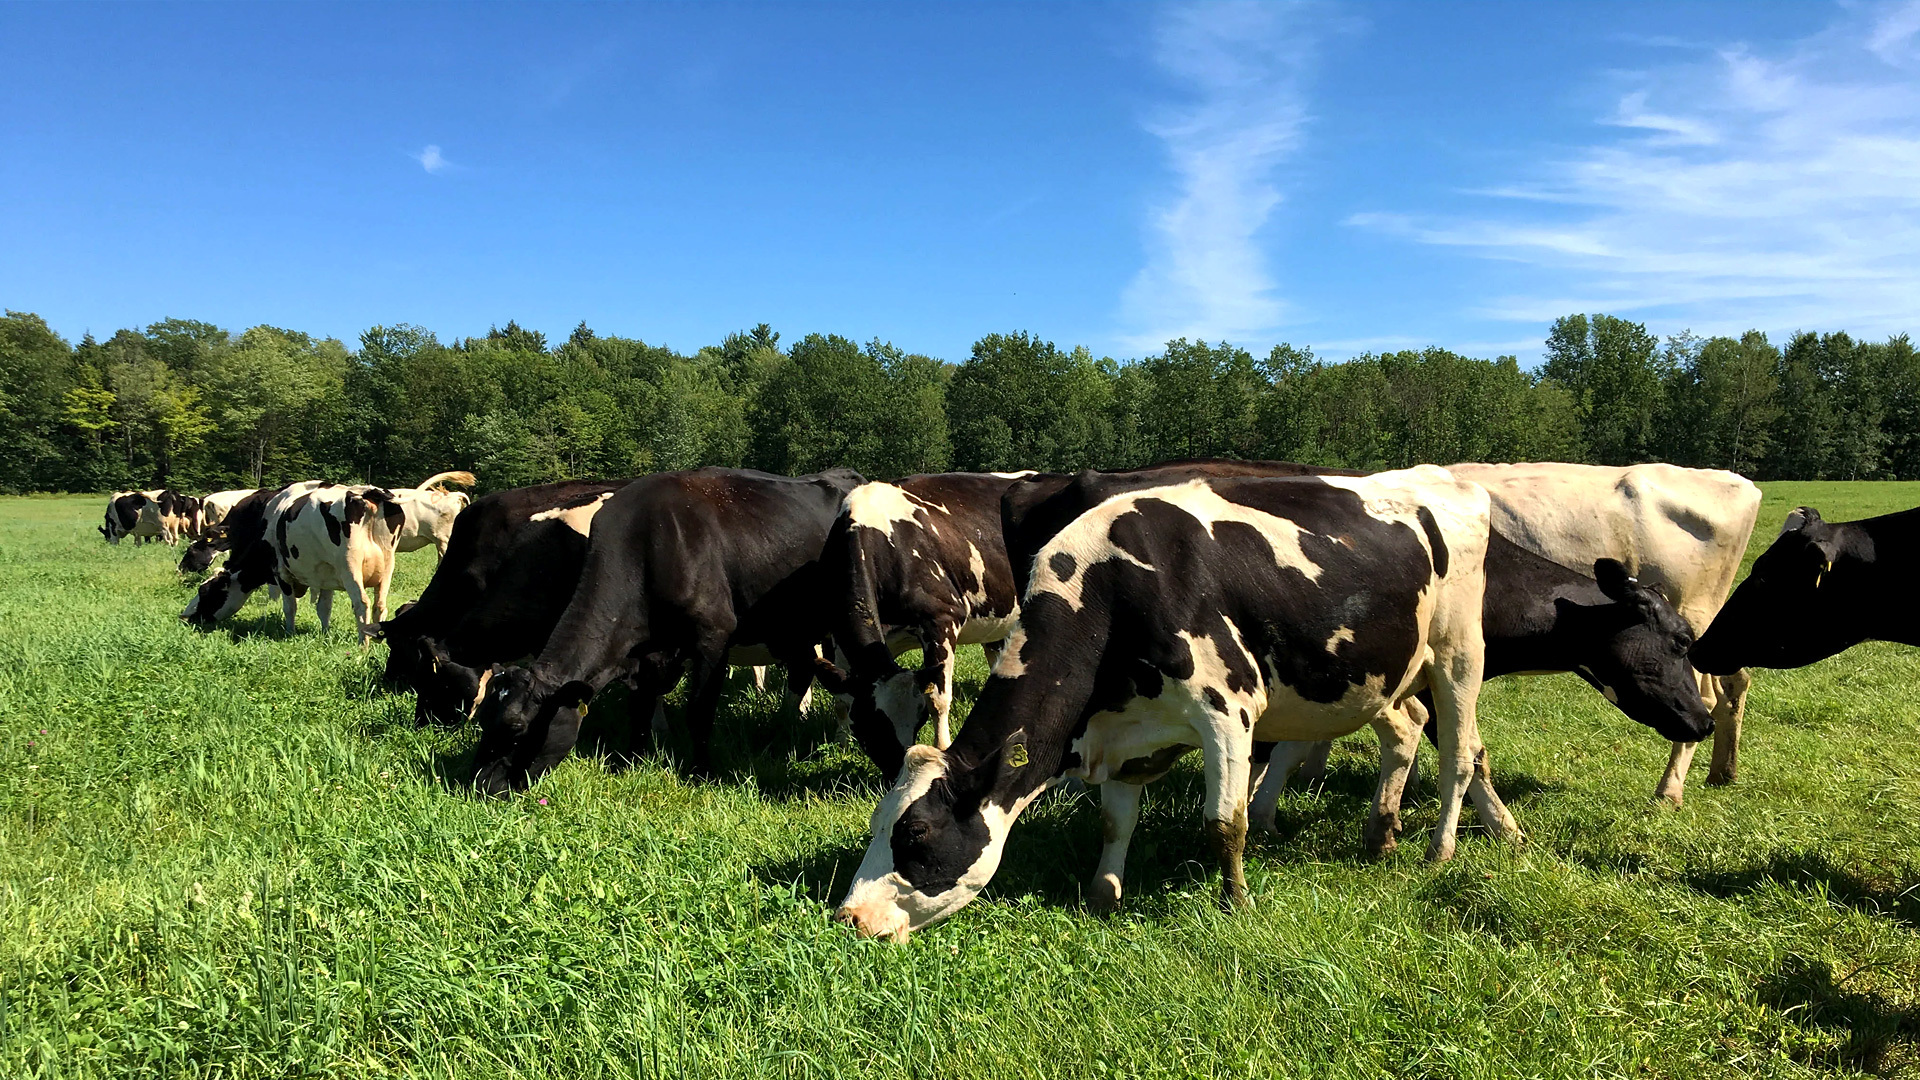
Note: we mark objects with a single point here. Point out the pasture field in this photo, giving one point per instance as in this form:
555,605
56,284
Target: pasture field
232,855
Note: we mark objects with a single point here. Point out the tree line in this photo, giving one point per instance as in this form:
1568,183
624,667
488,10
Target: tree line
193,406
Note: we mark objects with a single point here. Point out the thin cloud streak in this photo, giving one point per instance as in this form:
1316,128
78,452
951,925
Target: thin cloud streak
1206,275
1773,191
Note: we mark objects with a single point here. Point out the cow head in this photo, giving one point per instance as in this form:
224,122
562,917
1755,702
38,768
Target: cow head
937,839
1793,609
885,712
1635,652
218,597
444,692
526,727
199,557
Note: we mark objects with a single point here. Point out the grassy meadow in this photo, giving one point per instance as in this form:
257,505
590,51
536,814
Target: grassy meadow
232,855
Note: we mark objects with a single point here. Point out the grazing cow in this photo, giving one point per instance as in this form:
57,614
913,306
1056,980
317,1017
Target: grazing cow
215,508
1818,590
915,563
151,515
685,570
431,510
1680,531
508,573
1205,614
1540,617
315,536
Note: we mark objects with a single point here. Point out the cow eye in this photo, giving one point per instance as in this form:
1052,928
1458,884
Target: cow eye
918,832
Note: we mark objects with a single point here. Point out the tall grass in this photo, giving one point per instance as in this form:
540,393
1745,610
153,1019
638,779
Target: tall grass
230,855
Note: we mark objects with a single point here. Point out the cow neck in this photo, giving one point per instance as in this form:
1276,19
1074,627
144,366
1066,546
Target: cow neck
1532,614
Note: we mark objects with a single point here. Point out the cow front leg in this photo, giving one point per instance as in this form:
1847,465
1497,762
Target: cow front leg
936,666
1286,757
1729,711
705,677
1456,694
1229,761
287,601
1119,813
1673,783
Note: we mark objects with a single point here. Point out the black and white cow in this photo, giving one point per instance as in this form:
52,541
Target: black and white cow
511,566
1205,614
914,563
1819,589
146,516
684,571
198,558
215,508
1038,506
1540,617
312,535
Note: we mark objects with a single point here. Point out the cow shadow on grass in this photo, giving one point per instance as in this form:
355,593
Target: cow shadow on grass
1818,871
1875,1036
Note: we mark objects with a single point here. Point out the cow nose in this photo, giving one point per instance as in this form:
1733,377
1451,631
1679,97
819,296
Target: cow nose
848,917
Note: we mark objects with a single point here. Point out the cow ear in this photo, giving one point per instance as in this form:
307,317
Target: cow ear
1799,519
1612,576
970,790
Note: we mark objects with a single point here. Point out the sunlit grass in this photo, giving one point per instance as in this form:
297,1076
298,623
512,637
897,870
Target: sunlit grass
228,855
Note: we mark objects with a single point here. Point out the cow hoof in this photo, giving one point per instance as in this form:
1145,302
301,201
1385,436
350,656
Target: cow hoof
1232,899
1380,837
1720,779
1104,897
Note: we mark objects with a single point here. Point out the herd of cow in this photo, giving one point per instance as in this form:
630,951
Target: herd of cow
1250,610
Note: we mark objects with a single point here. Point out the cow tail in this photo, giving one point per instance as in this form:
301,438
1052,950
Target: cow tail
439,480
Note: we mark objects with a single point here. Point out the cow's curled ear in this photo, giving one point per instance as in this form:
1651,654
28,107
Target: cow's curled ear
1613,579
1799,518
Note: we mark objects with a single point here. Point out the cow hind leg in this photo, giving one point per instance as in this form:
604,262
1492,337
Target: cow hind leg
1729,711
1399,731
1229,762
1456,691
323,607
937,667
1119,813
1673,782
705,677
286,608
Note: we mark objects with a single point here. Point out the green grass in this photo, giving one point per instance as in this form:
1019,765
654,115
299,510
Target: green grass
229,855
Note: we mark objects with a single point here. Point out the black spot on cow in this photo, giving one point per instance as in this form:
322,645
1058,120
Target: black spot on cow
1439,546
1215,700
334,529
1063,565
1246,722
293,551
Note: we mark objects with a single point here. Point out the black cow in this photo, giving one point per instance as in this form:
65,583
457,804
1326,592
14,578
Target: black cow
511,567
685,571
1820,589
917,562
1540,617
1200,615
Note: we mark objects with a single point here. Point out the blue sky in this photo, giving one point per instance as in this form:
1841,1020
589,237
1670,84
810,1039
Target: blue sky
1351,177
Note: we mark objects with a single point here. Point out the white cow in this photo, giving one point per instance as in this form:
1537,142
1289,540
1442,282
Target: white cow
215,508
1683,531
430,510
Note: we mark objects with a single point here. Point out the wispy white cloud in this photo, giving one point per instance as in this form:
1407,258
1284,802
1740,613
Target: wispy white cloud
1243,66
431,159
1777,191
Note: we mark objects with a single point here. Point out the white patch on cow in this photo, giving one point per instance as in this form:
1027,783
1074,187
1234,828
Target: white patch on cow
486,677
1021,475
986,628
881,902
577,518
880,506
1338,638
898,698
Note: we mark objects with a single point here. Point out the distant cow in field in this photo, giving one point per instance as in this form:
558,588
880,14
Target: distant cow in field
215,508
313,536
913,563
431,510
684,572
1818,590
508,573
163,515
1201,615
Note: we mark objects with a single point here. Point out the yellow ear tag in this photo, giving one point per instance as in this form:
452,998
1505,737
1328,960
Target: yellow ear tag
582,710
1821,576
434,663
1017,755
